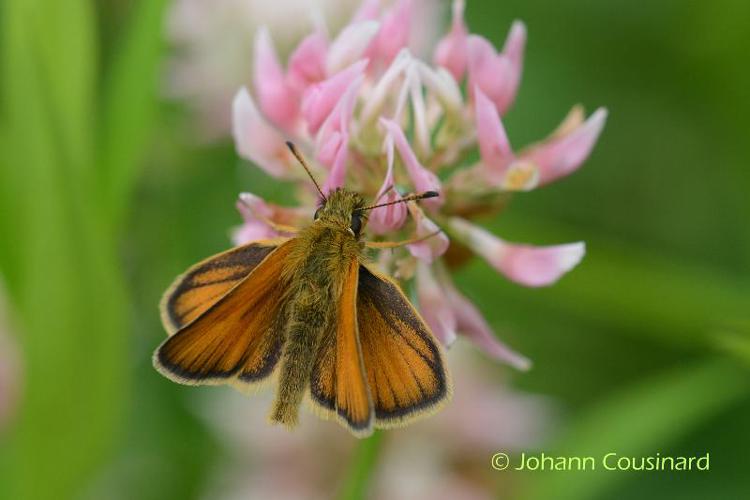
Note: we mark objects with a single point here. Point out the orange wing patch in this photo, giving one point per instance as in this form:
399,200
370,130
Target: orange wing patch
238,336
192,293
338,383
404,364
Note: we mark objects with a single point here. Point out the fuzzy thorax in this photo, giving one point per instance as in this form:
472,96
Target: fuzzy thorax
315,274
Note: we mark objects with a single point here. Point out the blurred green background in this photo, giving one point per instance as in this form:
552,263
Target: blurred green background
106,195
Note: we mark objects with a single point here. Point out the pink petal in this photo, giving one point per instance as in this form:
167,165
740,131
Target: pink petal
527,265
384,87
435,306
451,51
539,266
290,216
391,218
423,179
402,98
307,64
277,100
320,99
419,112
329,149
498,75
338,171
430,248
256,213
494,146
564,152
252,206
253,210
350,45
255,139
336,126
515,44
251,231
394,31
441,83
472,324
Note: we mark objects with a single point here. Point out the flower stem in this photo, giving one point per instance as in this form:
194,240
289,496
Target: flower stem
358,478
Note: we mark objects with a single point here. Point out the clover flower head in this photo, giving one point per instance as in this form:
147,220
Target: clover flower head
376,118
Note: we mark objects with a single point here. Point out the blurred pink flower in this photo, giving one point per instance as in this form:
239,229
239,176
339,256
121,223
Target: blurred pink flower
436,458
214,50
349,97
255,138
445,456
266,461
278,100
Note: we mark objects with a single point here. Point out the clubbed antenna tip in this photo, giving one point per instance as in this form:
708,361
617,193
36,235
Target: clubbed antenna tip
413,197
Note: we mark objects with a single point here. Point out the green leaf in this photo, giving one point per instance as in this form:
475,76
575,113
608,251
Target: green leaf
639,421
64,271
734,339
129,102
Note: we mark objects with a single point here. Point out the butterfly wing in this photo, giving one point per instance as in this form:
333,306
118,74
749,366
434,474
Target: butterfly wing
238,336
338,384
193,292
403,361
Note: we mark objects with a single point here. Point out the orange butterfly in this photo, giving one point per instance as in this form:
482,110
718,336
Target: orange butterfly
314,311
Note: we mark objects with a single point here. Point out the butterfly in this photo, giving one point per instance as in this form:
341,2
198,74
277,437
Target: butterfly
312,311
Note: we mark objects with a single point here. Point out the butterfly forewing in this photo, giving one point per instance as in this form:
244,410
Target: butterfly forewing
404,365
202,285
237,336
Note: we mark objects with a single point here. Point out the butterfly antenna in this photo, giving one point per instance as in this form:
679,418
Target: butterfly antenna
385,192
413,197
304,164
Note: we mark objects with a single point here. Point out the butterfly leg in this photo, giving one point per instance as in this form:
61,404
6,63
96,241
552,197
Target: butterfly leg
396,244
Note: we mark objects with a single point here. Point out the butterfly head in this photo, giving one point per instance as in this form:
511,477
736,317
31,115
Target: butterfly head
342,208
346,209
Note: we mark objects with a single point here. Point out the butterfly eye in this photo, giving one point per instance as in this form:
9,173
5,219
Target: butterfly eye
317,213
356,225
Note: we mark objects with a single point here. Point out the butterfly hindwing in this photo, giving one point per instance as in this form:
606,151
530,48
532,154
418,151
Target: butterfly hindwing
237,336
338,384
403,361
